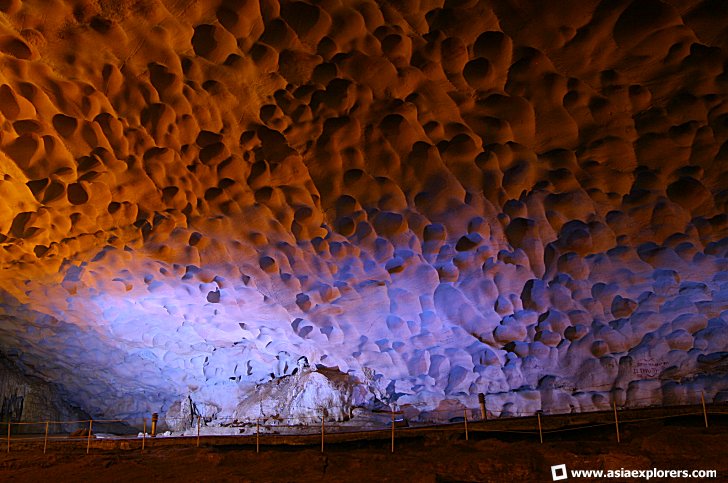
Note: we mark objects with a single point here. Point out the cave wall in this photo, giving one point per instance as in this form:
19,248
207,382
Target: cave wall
440,199
26,398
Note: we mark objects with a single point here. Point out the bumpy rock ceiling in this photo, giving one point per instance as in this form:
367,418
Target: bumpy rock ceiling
524,199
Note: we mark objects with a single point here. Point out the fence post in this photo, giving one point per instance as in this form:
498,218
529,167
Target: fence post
705,413
323,416
481,401
198,431
257,436
540,431
155,418
9,435
45,439
392,429
88,439
616,421
144,434
465,414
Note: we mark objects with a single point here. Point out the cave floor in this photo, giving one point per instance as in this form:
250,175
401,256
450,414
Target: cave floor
433,456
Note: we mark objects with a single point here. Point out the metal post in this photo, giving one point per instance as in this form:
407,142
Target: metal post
481,401
393,430
155,417
198,431
540,431
144,434
465,413
323,413
705,413
45,440
257,436
88,439
616,421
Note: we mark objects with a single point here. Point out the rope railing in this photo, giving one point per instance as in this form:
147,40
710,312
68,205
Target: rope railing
134,422
276,421
273,427
68,422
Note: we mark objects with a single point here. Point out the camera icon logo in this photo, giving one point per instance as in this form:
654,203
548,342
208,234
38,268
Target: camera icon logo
558,472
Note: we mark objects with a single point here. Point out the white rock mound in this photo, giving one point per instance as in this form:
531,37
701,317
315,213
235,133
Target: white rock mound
304,398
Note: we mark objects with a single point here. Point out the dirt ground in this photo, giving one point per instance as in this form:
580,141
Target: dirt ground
439,456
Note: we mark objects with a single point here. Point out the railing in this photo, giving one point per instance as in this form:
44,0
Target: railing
376,425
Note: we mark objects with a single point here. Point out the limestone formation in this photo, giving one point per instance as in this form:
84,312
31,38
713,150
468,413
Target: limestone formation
442,198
